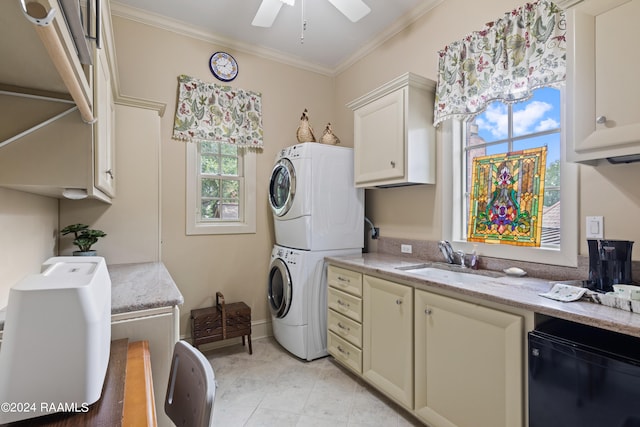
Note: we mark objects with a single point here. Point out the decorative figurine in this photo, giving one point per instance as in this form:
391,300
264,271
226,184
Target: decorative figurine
305,132
328,137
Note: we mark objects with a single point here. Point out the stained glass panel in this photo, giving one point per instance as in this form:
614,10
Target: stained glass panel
507,195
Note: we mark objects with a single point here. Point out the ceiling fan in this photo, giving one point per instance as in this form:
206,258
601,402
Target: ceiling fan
354,10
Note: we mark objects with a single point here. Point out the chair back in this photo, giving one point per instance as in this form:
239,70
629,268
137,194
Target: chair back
191,389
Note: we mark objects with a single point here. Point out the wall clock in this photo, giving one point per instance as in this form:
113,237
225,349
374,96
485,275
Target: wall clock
223,66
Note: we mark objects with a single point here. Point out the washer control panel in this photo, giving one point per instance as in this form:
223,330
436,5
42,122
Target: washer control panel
287,255
292,152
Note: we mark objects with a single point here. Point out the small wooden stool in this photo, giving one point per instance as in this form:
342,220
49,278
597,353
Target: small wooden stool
221,322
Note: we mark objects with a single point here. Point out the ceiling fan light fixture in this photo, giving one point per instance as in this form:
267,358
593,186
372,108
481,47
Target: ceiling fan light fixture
354,10
267,13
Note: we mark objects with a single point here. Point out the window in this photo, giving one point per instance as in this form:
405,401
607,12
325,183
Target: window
504,128
220,189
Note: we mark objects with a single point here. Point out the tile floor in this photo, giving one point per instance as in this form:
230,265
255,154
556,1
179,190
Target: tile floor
273,388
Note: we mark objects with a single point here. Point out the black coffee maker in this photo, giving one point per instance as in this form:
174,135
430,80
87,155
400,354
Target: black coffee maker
609,264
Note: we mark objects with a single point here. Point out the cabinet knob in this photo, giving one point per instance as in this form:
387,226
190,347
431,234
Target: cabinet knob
393,164
601,120
428,311
398,301
110,173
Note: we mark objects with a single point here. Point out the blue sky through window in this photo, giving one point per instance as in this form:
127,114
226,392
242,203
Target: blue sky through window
538,114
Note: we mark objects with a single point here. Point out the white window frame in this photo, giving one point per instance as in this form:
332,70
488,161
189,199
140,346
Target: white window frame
247,221
451,135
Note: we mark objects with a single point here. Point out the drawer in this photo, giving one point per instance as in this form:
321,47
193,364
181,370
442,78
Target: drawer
345,328
345,280
345,304
344,352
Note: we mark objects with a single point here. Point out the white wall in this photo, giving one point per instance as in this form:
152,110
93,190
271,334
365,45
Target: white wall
132,221
150,60
28,236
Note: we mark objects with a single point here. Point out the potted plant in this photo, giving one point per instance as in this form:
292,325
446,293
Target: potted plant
84,238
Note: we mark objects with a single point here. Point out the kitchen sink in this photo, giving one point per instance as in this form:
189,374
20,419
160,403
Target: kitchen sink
427,268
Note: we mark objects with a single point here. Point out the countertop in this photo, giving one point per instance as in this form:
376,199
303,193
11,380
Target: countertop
520,292
138,286
142,286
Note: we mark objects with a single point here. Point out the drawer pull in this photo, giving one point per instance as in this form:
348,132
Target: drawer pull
341,326
343,351
343,279
344,304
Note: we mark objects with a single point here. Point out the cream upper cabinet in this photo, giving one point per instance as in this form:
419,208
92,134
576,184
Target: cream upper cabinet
104,146
394,137
387,348
64,154
603,94
468,364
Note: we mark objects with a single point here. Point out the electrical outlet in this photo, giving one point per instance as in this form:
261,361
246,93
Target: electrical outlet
595,227
406,249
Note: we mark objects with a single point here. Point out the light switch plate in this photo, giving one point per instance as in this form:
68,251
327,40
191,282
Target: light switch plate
406,249
595,227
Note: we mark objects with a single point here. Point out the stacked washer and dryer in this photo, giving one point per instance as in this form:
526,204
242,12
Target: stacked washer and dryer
317,212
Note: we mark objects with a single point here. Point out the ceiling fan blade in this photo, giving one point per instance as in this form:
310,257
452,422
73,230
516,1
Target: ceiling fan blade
355,10
267,13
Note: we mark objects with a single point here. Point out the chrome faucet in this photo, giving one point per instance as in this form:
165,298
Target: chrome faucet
461,255
447,251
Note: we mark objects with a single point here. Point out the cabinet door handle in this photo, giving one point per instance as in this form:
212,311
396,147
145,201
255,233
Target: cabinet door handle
398,301
341,326
393,164
428,311
341,350
110,173
344,304
601,120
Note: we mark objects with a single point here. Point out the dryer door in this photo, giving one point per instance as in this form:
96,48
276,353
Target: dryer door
279,292
282,187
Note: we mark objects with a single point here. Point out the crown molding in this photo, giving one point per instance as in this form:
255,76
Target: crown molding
399,25
185,29
180,27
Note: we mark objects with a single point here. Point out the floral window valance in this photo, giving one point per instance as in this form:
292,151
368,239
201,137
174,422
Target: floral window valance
212,113
506,61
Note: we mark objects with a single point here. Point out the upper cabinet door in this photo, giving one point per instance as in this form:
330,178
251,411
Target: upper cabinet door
394,137
379,139
104,147
603,93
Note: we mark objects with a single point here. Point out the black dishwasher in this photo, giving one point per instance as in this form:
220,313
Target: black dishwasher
581,376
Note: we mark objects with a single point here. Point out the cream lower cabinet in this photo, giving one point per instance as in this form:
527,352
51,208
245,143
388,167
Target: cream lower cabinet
387,345
451,363
468,364
344,319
